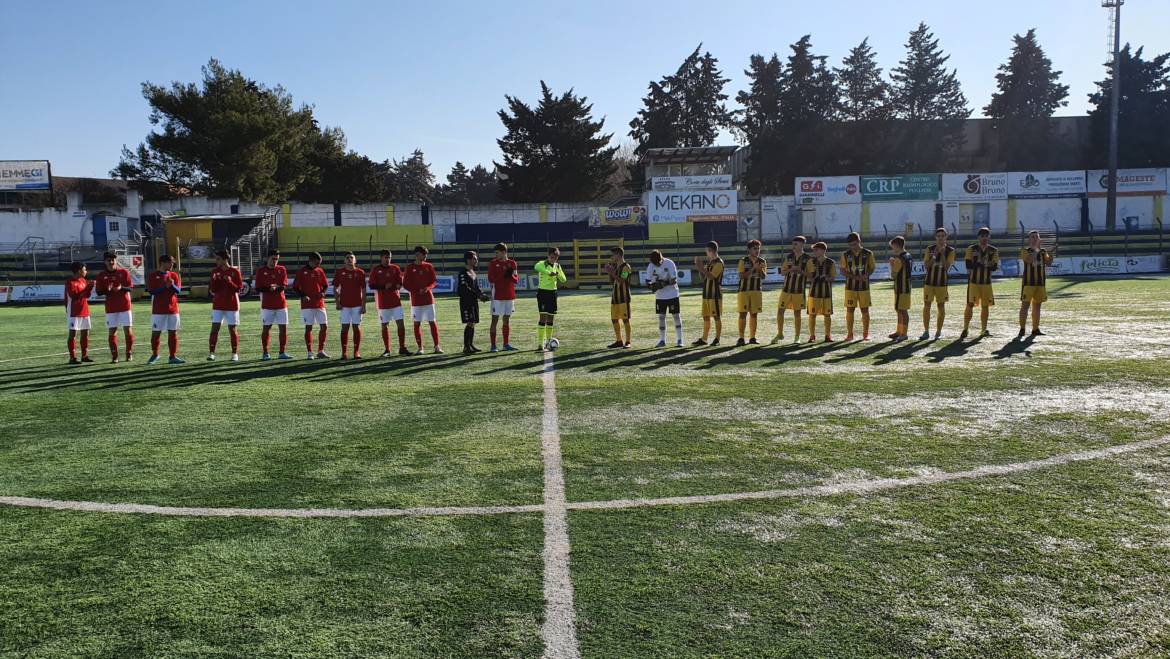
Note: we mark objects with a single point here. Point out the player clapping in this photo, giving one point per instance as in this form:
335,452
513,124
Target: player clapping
1034,290
503,273
164,286
470,295
114,283
349,290
271,281
310,285
77,291
226,284
420,279
619,273
386,280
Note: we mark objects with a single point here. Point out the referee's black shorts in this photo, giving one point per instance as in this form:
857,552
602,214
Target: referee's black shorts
468,310
546,302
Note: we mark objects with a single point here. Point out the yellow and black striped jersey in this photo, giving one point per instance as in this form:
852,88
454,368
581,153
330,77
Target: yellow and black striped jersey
713,281
859,267
751,278
823,274
938,264
621,284
981,263
798,269
1035,273
900,273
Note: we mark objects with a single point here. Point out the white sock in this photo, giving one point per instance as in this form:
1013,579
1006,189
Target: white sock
678,327
662,327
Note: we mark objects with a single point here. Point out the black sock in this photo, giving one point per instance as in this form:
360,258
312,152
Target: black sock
468,335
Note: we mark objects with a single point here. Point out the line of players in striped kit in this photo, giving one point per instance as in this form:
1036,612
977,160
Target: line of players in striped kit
808,285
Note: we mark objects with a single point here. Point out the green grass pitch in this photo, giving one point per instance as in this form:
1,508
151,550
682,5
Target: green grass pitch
1069,558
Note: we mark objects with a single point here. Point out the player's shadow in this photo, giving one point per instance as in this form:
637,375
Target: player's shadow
682,357
393,366
869,349
806,351
132,378
904,351
956,348
1014,348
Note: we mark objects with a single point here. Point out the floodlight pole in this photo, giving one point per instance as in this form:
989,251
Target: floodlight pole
1114,110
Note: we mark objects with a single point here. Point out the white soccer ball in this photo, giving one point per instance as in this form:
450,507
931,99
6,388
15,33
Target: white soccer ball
553,344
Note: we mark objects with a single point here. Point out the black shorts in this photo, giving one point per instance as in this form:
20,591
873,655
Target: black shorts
666,306
468,310
546,302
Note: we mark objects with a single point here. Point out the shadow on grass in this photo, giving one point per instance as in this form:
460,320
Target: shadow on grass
956,348
905,350
1014,348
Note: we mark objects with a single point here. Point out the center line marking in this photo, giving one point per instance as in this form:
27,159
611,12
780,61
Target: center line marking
560,626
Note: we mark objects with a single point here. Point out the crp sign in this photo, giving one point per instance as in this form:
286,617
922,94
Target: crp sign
899,188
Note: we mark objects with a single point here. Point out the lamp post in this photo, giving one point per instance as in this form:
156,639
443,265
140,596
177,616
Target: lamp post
1114,109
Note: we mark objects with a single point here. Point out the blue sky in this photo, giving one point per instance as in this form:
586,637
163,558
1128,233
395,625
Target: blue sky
396,75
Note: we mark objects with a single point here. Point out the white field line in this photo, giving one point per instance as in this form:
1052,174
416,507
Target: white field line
21,359
880,484
844,487
559,631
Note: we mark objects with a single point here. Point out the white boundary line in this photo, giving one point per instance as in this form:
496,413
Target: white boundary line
22,359
812,491
559,630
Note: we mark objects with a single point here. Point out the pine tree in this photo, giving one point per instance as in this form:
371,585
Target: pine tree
482,187
931,104
760,111
1144,114
864,94
455,191
553,151
683,109
414,178
1027,87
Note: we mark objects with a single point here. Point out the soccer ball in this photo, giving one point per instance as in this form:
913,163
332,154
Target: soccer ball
552,344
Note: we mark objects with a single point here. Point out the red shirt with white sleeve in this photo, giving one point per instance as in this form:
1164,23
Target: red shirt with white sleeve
419,279
271,283
503,275
226,284
386,280
116,286
349,286
166,299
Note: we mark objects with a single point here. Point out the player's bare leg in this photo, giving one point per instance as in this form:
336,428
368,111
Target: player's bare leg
849,323
617,334
865,324
753,321
1023,318
925,322
812,327
718,330
779,325
984,315
1036,319
968,312
796,318
938,322
828,328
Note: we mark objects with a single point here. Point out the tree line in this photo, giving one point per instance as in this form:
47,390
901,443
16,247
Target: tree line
231,136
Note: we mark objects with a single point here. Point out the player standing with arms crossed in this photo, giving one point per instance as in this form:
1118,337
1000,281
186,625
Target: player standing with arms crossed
271,280
549,275
349,290
662,274
750,299
164,286
226,284
619,300
1034,284
711,271
77,291
820,292
115,284
796,268
310,285
386,280
419,279
470,295
857,264
982,259
900,267
938,260
503,273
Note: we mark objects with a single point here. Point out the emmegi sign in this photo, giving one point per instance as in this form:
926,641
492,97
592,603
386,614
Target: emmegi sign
1046,184
708,182
1130,182
907,187
693,206
828,190
974,187
24,175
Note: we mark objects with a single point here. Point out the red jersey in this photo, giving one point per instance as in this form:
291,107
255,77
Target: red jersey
77,290
310,284
349,286
502,275
271,283
419,279
226,284
386,280
164,285
115,285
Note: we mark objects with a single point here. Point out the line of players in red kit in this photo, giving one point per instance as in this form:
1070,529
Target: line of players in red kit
310,284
